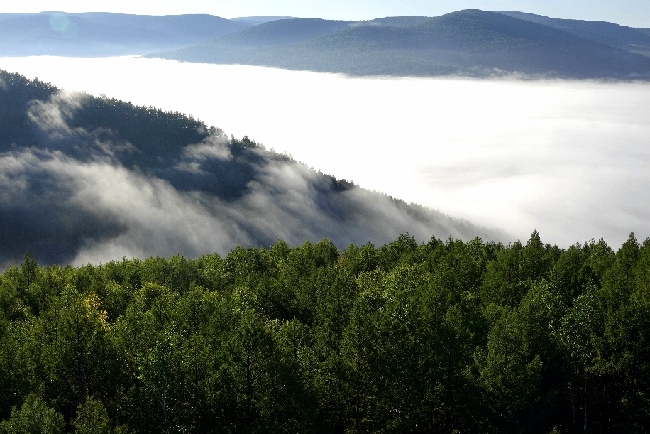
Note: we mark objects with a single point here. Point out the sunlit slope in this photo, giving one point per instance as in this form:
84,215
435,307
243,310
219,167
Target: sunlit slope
470,43
88,179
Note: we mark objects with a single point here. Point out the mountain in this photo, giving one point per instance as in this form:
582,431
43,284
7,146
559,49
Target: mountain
88,179
401,21
469,43
255,20
105,34
627,38
284,31
273,43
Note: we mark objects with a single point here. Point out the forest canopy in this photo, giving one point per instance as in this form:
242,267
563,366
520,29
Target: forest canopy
444,336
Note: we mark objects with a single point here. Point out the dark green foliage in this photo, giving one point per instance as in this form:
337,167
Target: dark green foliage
92,418
34,416
440,337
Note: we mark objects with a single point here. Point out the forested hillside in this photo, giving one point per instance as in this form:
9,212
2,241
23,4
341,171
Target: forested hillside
89,179
443,336
627,38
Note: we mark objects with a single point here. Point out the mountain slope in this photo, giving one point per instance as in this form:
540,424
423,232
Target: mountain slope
470,42
184,28
285,31
88,179
256,19
398,21
627,38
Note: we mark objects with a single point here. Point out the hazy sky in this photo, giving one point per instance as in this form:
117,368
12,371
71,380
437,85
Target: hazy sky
629,12
570,159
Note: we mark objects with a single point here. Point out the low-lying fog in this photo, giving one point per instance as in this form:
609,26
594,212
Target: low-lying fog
570,159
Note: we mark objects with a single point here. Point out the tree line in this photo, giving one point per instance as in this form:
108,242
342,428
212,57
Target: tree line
444,336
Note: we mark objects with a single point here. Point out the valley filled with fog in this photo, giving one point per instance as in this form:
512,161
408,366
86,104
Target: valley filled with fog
570,159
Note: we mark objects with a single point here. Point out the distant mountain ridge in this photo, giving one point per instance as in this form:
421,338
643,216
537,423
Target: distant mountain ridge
468,43
257,19
105,34
284,31
471,43
627,38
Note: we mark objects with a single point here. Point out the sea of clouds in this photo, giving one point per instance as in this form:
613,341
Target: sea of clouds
569,159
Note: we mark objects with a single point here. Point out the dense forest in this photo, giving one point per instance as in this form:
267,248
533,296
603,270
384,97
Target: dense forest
443,336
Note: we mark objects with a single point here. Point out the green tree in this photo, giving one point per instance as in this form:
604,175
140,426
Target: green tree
509,371
580,334
514,270
33,417
92,418
145,337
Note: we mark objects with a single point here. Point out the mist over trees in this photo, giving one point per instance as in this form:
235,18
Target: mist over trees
443,336
90,179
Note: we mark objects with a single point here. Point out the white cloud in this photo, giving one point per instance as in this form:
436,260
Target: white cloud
159,219
569,159
214,146
155,219
52,116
